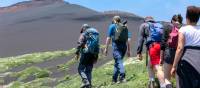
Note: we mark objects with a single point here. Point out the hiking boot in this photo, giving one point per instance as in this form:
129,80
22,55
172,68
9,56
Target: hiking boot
122,78
122,81
85,84
113,82
151,84
169,86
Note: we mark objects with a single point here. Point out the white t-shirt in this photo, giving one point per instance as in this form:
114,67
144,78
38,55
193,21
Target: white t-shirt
191,34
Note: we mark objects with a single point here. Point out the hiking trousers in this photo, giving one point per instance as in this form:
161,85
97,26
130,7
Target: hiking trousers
188,76
85,66
118,55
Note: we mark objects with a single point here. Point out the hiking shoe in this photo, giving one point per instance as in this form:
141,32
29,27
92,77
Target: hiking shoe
122,78
113,82
151,84
123,81
169,86
85,84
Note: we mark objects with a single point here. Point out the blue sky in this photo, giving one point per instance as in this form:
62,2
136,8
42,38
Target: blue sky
159,9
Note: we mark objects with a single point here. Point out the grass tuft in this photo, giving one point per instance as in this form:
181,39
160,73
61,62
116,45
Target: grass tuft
10,62
31,71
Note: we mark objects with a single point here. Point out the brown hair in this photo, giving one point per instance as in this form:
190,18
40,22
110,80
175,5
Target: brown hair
117,19
193,14
177,18
148,19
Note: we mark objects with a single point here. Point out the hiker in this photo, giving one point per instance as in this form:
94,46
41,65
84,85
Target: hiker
88,49
151,32
143,37
118,33
187,57
169,44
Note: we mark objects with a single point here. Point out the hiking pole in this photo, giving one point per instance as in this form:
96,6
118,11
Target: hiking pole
147,57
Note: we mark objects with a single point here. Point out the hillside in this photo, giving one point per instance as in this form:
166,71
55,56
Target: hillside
58,69
49,25
27,4
51,70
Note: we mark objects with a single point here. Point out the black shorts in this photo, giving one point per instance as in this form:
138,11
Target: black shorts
169,55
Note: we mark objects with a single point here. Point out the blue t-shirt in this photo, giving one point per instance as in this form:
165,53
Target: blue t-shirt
111,32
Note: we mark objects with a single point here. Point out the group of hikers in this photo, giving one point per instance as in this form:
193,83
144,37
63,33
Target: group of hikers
173,48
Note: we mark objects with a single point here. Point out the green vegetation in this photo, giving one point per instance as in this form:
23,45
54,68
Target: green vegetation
66,66
136,73
36,72
10,62
136,76
38,83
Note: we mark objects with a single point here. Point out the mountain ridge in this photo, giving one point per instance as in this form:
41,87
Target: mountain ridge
28,4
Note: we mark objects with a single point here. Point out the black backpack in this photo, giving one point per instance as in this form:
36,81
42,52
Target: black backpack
121,33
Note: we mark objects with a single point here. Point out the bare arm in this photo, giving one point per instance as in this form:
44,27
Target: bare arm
108,40
179,52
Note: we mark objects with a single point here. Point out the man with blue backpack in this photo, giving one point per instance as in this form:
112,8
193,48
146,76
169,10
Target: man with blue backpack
88,48
151,32
118,33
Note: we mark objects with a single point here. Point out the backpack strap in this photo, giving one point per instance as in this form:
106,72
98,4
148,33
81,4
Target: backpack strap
116,26
91,31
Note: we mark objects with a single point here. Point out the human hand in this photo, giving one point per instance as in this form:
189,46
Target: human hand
77,56
161,61
173,71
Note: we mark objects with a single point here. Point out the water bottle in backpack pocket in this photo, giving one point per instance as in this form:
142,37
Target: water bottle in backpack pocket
92,41
155,32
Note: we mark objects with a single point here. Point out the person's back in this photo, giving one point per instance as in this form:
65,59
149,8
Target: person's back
169,44
89,49
151,31
192,39
118,34
186,62
192,35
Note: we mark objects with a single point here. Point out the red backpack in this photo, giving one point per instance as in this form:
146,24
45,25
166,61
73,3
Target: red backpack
173,38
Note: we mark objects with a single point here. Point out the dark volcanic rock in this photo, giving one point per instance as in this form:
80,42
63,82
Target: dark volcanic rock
27,4
47,26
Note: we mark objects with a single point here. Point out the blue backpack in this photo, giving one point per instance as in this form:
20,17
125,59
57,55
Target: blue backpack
92,41
155,32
